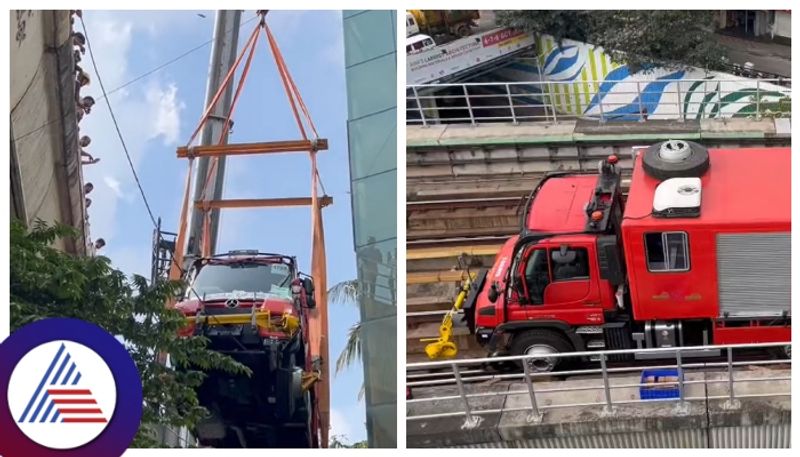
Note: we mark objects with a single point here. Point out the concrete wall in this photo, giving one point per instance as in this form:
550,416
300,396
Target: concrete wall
761,420
587,75
46,181
783,24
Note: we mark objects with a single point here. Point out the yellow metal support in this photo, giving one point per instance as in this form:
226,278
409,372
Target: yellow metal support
263,319
260,318
430,277
453,251
309,379
290,322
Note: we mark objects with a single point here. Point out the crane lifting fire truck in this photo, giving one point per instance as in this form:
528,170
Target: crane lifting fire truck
256,307
696,254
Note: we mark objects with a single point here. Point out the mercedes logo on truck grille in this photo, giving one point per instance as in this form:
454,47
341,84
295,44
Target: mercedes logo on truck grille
232,303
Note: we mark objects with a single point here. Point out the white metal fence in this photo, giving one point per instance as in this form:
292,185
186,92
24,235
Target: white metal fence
623,100
469,371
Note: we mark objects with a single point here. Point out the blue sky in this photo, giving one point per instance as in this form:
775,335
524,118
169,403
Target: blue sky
158,113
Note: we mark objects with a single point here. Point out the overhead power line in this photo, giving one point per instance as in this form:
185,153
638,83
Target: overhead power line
116,125
137,78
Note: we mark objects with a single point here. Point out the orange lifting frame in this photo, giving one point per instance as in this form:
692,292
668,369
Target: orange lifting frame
318,317
260,203
251,148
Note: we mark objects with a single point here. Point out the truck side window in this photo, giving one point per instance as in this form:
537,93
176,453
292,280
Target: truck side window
667,251
537,276
574,264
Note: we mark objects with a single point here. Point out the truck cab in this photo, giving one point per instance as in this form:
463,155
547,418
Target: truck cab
449,23
412,28
419,43
254,307
664,265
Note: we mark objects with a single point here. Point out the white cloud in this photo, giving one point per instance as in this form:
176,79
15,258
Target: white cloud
333,52
340,425
113,184
168,112
284,24
143,112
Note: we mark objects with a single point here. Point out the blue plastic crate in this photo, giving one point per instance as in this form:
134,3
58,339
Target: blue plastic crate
661,392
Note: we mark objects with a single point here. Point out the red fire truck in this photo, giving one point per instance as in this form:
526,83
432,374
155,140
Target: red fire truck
254,307
697,253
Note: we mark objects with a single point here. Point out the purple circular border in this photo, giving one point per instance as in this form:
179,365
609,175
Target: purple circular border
124,424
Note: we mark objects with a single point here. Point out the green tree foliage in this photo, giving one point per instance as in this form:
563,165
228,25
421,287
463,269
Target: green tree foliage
560,24
641,39
349,293
48,283
341,441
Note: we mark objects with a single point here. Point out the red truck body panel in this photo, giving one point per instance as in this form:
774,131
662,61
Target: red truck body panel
744,191
559,204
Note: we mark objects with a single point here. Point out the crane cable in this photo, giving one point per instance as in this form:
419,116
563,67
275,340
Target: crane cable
176,269
212,170
318,319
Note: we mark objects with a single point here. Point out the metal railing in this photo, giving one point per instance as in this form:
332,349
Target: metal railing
464,373
755,73
554,101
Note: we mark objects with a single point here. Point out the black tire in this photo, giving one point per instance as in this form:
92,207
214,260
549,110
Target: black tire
554,339
295,437
694,166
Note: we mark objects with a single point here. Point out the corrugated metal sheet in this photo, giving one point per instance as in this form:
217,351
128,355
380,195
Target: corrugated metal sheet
656,439
499,445
770,436
762,436
754,272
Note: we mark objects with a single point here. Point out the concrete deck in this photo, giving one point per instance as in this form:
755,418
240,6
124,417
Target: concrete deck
706,422
577,132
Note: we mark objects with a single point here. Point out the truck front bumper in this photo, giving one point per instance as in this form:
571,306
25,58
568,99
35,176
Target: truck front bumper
485,336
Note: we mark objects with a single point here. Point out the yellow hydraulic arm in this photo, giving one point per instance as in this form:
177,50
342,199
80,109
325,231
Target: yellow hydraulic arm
443,347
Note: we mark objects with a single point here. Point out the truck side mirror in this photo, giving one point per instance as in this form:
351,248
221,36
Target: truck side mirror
308,286
493,293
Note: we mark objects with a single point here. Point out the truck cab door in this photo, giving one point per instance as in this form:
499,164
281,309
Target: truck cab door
556,276
536,276
571,283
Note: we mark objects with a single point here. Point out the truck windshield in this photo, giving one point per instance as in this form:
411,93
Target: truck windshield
243,280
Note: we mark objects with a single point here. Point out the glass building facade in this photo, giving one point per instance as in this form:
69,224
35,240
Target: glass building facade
371,72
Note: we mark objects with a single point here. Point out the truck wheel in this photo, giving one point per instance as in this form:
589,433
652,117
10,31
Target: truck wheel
300,436
675,159
462,31
541,344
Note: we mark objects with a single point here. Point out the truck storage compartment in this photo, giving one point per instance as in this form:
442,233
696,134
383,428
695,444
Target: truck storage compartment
754,272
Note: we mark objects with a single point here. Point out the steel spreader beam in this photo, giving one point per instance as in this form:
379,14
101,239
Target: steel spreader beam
260,202
272,147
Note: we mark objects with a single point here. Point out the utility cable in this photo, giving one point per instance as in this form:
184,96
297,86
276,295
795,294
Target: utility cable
116,125
137,78
171,61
